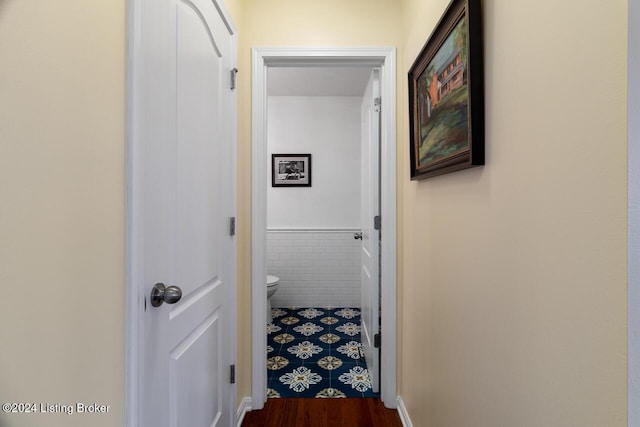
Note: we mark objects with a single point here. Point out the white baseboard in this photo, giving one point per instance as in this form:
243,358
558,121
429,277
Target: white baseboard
404,415
245,406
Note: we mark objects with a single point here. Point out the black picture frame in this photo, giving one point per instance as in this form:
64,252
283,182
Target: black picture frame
446,95
291,170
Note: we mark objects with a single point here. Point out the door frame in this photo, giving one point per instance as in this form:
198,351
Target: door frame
633,260
262,59
138,60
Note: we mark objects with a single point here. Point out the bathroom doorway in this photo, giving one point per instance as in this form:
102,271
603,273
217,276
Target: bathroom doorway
322,154
273,65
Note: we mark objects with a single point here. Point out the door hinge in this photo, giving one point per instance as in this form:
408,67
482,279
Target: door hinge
232,374
376,340
377,104
377,222
232,226
234,78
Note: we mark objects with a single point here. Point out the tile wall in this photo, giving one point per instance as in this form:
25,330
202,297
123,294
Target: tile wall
317,267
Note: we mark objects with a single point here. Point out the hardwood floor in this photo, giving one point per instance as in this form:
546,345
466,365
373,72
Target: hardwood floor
309,412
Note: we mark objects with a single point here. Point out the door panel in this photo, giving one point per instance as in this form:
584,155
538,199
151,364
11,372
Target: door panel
198,74
370,207
195,396
188,200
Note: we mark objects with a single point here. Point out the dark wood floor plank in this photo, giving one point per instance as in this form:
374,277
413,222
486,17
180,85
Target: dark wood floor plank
298,412
354,412
310,413
382,416
276,412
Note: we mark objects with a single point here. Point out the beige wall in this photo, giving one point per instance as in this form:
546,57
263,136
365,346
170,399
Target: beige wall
292,23
514,296
62,170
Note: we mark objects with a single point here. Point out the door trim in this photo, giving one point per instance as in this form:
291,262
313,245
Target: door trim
262,59
137,57
633,262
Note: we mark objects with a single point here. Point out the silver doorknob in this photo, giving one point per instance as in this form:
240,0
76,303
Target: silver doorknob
357,236
161,293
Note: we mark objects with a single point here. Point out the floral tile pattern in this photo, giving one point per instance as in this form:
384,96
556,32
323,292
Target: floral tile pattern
310,313
316,352
271,328
351,349
277,362
350,329
329,320
308,329
276,312
300,379
357,377
304,350
348,313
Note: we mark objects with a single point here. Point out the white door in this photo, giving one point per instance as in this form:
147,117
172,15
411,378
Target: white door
188,185
370,277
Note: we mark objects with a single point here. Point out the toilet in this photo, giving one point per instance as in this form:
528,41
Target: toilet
272,287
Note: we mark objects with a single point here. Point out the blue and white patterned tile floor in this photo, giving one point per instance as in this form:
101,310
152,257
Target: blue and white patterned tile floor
316,352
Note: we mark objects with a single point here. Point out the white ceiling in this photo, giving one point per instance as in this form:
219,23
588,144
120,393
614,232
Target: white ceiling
317,81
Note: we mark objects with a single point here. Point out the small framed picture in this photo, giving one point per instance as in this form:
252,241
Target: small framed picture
291,170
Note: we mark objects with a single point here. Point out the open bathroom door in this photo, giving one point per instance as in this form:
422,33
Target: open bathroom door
370,211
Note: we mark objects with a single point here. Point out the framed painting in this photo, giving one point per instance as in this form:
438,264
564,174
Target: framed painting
291,170
446,95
